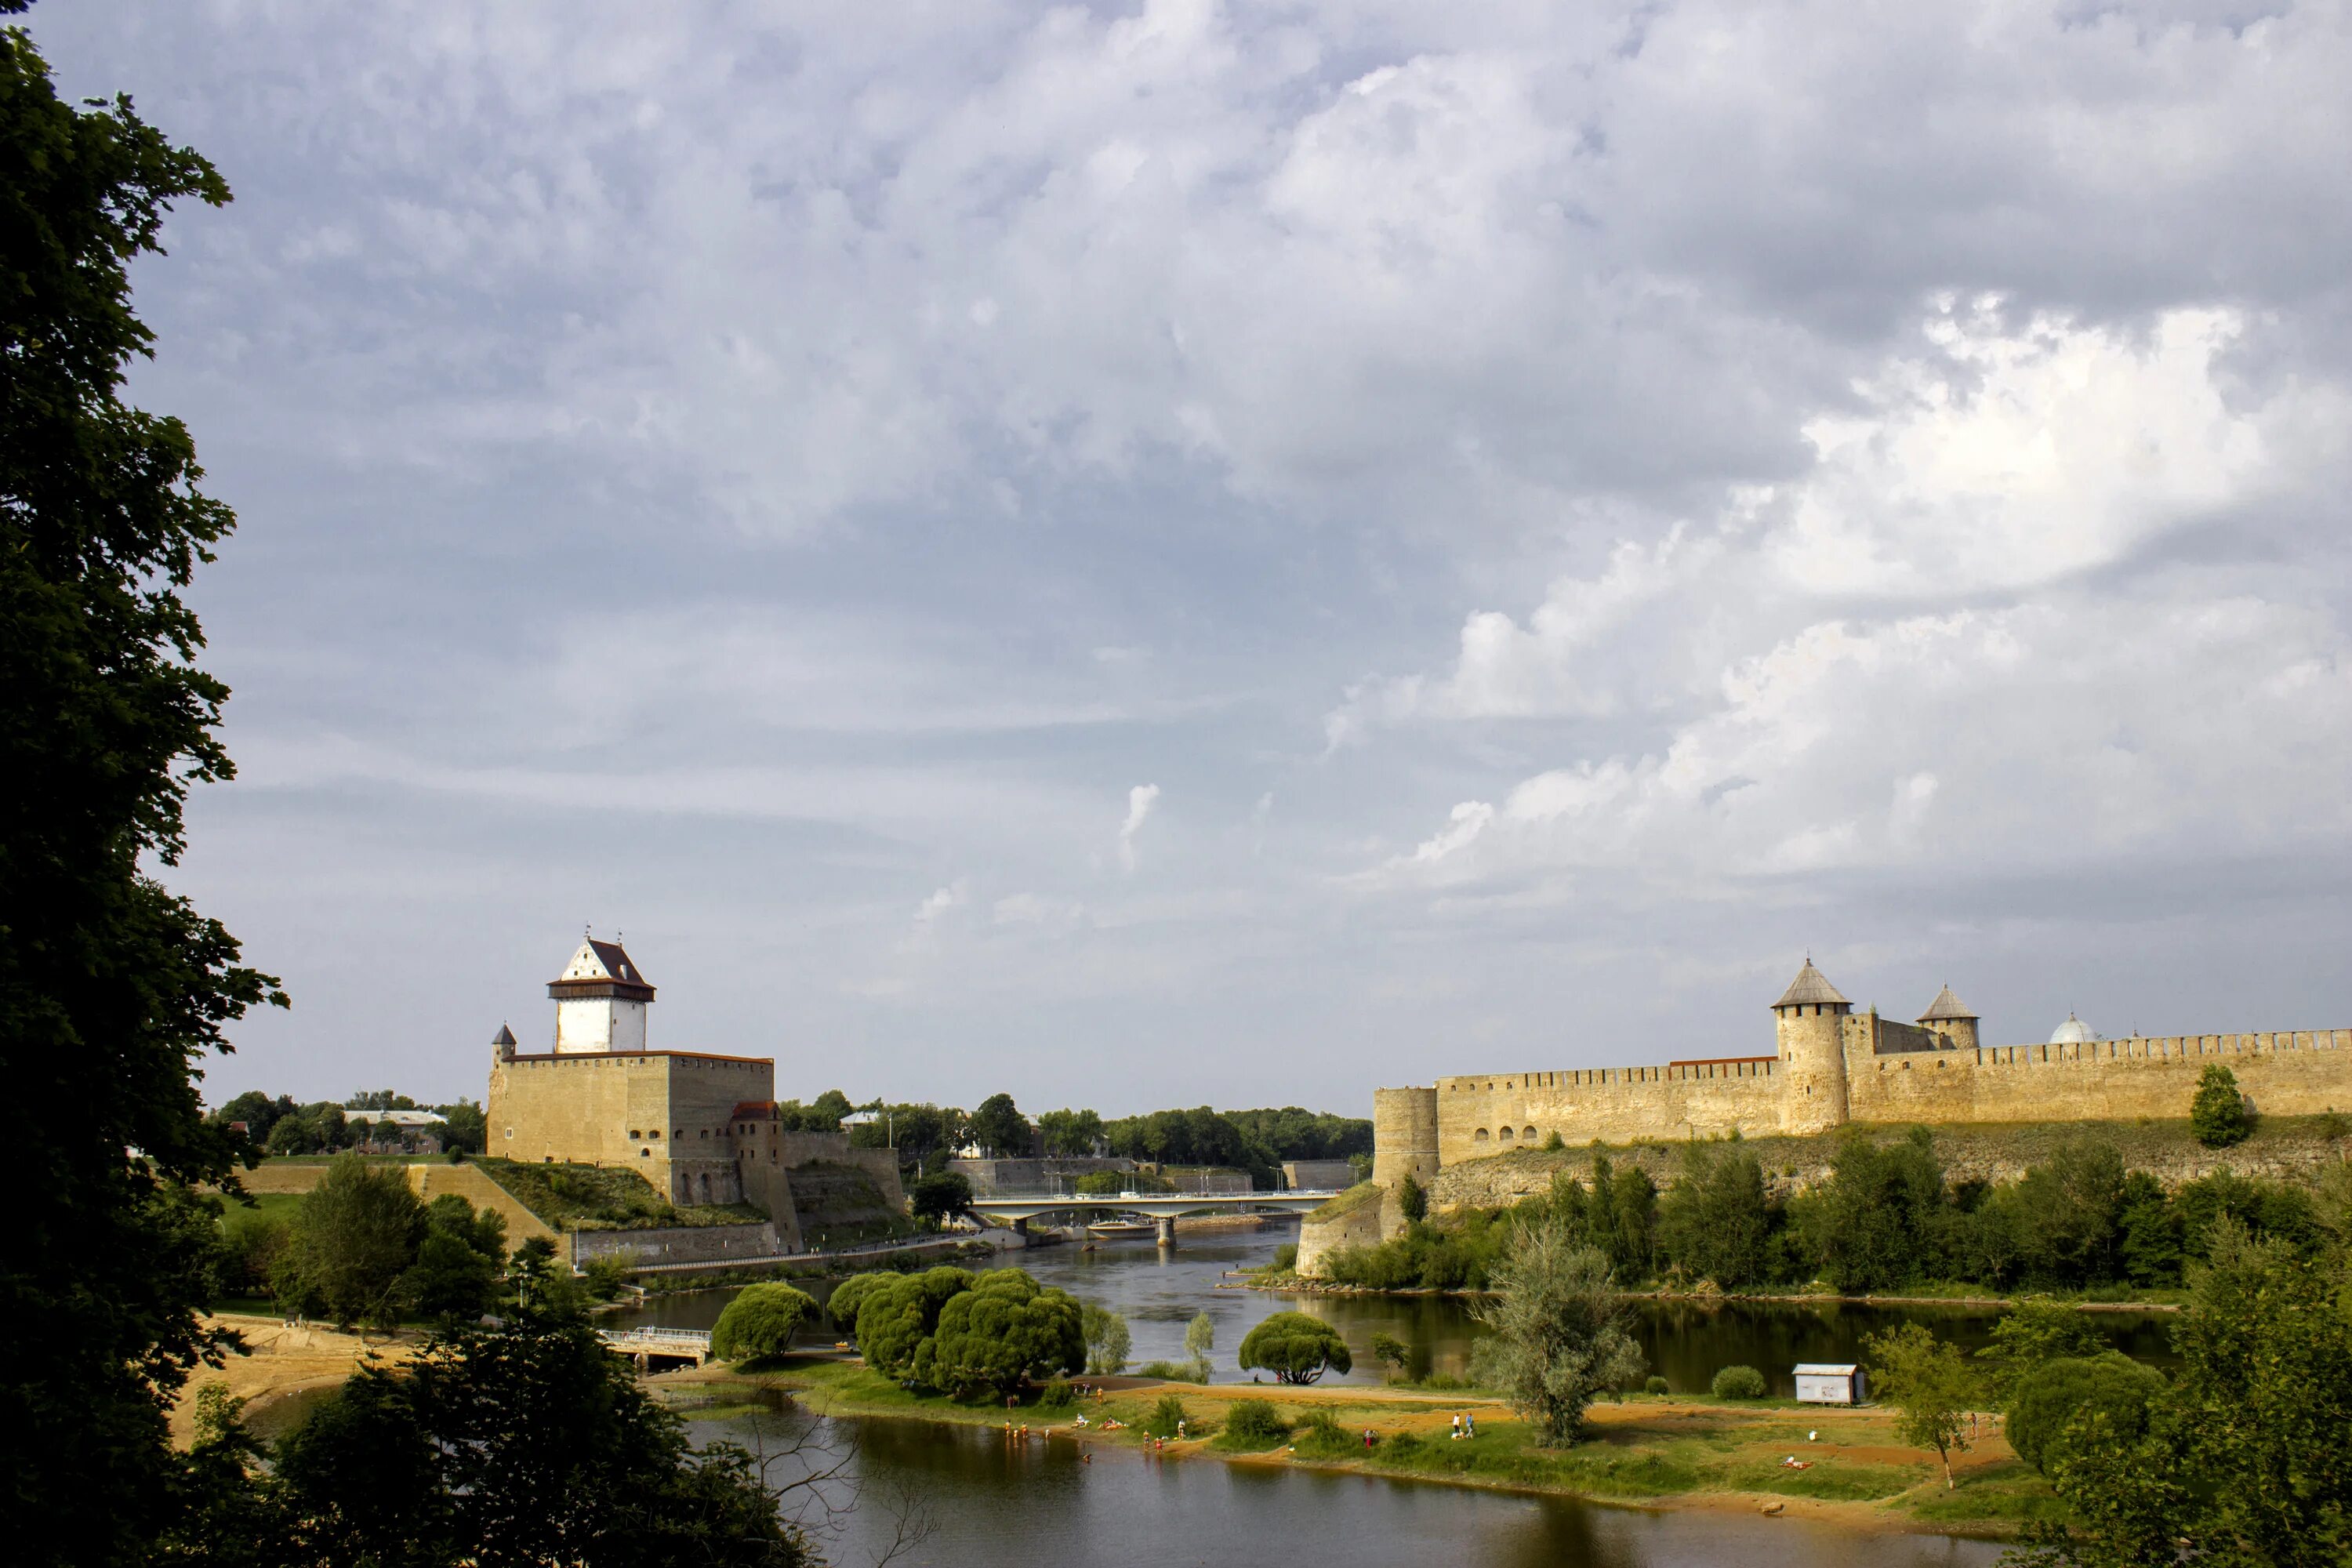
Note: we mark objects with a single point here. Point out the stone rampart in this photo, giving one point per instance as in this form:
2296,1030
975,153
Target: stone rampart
678,1243
2286,1074
1355,1218
1493,1113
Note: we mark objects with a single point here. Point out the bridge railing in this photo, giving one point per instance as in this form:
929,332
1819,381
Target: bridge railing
656,1336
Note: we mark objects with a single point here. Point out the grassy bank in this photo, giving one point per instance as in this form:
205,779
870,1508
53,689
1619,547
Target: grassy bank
1663,1450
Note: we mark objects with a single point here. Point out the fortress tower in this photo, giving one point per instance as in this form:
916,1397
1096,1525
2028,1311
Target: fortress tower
1404,1142
1809,1026
600,1001
1946,1017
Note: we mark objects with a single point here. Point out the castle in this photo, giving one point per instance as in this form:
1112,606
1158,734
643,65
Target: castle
701,1128
1830,1066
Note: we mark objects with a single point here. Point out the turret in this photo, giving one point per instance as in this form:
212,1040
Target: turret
502,1044
1808,1026
1404,1142
600,1001
1946,1017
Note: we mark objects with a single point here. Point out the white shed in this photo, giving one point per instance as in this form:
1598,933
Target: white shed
1821,1382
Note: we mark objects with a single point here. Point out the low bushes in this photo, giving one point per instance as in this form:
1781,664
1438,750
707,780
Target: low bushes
1737,1383
1166,1417
760,1322
1654,1384
1255,1424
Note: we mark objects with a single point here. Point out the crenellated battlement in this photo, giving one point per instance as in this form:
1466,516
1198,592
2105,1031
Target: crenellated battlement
1832,1066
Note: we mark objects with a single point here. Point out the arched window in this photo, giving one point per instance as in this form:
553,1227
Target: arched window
1528,1136
1481,1137
1503,1134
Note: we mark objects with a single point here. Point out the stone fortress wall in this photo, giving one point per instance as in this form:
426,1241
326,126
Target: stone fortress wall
1831,1067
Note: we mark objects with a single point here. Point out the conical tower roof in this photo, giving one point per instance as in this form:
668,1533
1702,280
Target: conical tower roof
1810,986
1945,1008
505,1036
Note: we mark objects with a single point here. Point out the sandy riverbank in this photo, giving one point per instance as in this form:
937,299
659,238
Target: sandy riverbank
284,1366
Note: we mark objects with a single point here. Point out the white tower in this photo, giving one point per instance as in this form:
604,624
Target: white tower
600,1001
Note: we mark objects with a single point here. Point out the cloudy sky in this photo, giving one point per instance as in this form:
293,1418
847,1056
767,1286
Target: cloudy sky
1180,553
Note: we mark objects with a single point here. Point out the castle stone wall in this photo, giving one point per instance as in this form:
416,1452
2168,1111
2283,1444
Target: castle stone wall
1841,1069
2287,1074
666,1114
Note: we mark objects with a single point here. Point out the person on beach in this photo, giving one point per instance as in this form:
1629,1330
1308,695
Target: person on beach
1457,1426
1470,1425
1368,1439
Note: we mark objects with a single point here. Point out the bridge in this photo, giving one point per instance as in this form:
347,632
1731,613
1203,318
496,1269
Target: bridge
644,1345
1019,1209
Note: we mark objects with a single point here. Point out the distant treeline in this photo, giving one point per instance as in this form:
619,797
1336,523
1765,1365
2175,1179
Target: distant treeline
1887,1219
280,1126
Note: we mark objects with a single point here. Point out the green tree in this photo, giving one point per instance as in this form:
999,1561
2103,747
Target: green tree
2053,1402
1873,1224
1715,1222
1392,1352
458,1262
1559,1337
111,989
1108,1343
451,1461
760,1322
897,1321
464,1127
2148,1232
1294,1347
2068,1212
2247,1454
849,1296
999,1127
942,1196
1199,1339
1070,1133
1413,1202
2036,1330
1929,1384
2217,1115
354,1237
1003,1333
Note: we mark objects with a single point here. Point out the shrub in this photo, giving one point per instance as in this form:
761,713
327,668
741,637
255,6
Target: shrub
1739,1382
760,1322
1318,1433
2111,1386
1256,1421
2218,1114
1294,1347
1402,1446
1161,1422
606,1275
1413,1202
1173,1370
1285,1258
1058,1393
1656,1384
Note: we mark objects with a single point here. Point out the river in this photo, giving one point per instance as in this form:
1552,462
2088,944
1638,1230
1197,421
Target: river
1686,1342
994,1503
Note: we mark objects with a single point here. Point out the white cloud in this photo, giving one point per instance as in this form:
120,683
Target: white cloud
941,899
1139,802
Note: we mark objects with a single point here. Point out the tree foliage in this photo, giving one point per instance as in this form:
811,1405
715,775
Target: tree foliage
898,1319
1294,1347
941,1196
1108,1342
527,1442
1716,1222
2217,1114
354,1239
999,1127
1413,1200
2246,1456
1002,1334
2054,1401
2035,1331
850,1295
760,1322
113,995
1559,1335
1929,1383
1199,1339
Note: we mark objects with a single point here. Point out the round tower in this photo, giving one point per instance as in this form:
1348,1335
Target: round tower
1404,1142
1809,1026
1949,1017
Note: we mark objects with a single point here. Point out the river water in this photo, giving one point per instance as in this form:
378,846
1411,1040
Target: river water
1686,1342
996,1503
